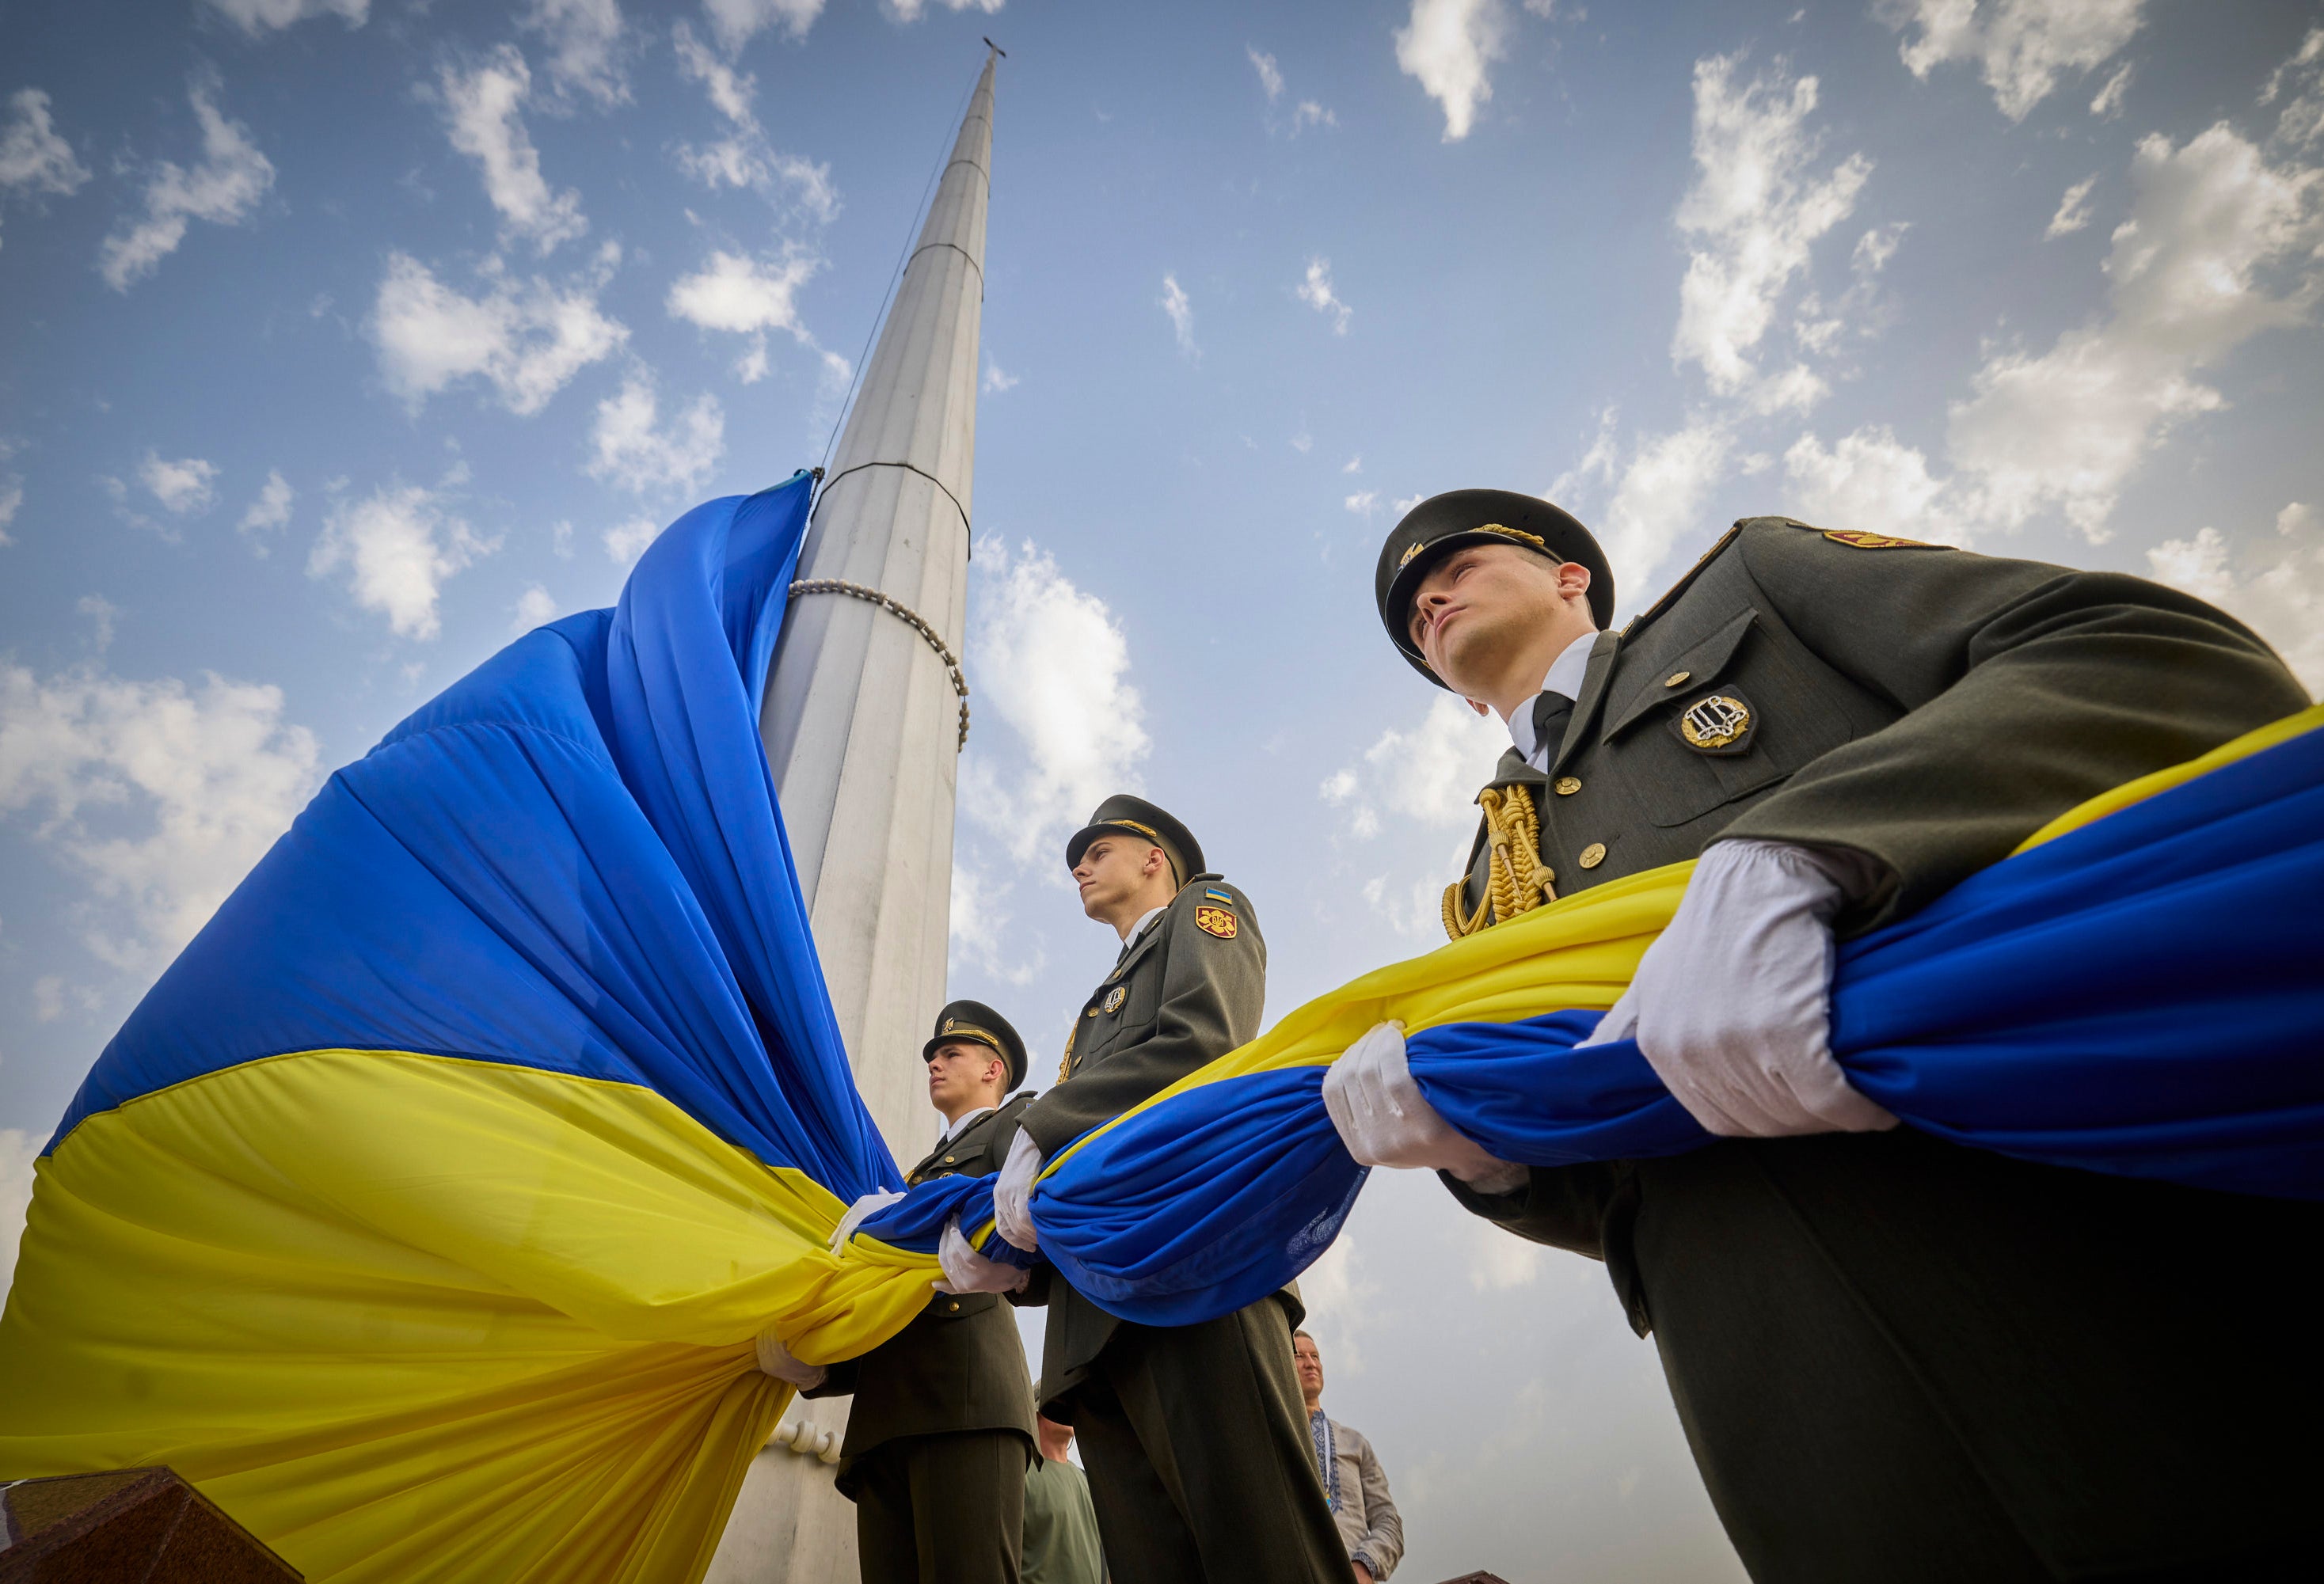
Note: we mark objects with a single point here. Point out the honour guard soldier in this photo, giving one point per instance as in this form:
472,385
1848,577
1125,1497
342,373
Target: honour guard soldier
941,1432
1194,1437
1893,1357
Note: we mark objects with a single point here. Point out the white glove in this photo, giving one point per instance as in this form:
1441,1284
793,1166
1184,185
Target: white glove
861,1211
776,1359
1732,1005
1384,1120
967,1271
1012,1193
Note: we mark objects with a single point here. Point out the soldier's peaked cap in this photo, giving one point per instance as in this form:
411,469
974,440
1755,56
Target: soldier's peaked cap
1442,523
974,1023
1122,815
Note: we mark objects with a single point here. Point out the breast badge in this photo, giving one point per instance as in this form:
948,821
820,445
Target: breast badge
1720,724
1114,997
1215,921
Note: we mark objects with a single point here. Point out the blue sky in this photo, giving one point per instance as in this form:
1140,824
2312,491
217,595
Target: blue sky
339,341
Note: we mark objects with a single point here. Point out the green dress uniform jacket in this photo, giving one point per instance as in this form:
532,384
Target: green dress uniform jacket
960,1364
1192,986
1196,1445
1889,1353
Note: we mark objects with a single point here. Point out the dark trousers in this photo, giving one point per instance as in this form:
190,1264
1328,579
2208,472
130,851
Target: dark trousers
1900,1359
941,1509
1199,1460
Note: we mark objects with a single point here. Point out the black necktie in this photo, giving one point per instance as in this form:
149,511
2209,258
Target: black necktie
1551,710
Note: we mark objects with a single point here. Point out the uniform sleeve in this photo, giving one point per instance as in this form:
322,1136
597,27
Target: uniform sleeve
1382,1546
1563,1207
2028,688
1214,993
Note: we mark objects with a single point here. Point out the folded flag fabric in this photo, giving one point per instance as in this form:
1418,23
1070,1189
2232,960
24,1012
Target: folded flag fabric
425,1211
2136,990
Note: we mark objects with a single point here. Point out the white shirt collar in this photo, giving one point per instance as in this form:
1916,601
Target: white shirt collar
1565,676
1139,928
953,1132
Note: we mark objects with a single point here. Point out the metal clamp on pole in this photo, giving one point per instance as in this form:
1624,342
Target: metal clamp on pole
810,585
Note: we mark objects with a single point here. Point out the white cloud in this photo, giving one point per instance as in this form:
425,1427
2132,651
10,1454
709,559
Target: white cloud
256,16
633,450
1173,302
1050,661
626,541
2279,589
1354,464
585,47
1449,46
223,190
12,501
34,157
18,1151
747,297
980,936
528,339
183,487
1663,496
534,607
2073,209
49,998
482,115
2021,47
1363,502
1868,479
1269,77
1498,1262
100,611
2107,103
1428,774
1754,212
912,10
2301,121
398,546
270,511
2220,245
745,158
1316,292
996,379
736,22
190,786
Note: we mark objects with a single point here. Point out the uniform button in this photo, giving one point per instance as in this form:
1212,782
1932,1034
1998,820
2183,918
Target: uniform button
1676,677
1567,785
950,1159
1593,855
954,1306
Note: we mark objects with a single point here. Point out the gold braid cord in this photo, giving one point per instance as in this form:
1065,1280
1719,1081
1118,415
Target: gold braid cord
839,585
1516,880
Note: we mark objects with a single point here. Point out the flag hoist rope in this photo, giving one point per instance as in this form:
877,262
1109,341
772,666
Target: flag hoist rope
838,586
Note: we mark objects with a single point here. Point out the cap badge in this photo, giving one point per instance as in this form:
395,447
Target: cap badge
1215,921
1718,723
1410,550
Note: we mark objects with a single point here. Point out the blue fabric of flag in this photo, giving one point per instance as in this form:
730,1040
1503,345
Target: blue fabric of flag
571,860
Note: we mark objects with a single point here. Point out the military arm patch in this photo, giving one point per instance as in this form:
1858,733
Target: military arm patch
1215,921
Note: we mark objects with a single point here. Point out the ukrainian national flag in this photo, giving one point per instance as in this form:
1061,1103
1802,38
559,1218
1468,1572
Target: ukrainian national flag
425,1212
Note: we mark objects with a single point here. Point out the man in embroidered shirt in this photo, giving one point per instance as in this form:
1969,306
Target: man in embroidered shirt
1354,1483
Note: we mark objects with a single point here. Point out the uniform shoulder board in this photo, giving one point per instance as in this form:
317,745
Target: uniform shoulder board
1856,539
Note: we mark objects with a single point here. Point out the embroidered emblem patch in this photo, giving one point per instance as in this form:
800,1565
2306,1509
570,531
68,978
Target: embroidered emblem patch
1718,723
1855,538
1114,997
1215,895
1215,921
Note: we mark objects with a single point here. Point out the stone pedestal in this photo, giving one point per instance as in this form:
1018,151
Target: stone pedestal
136,1523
